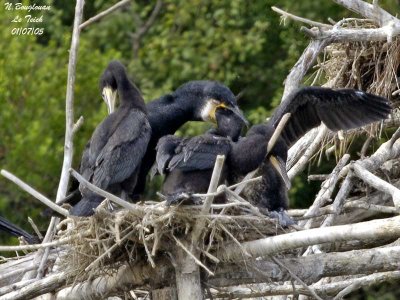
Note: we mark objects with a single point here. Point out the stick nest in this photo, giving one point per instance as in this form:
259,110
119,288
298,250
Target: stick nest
371,66
111,238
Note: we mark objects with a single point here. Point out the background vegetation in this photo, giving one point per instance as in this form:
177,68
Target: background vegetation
238,42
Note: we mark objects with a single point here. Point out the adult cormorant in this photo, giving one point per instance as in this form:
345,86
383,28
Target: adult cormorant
112,157
337,109
188,162
12,229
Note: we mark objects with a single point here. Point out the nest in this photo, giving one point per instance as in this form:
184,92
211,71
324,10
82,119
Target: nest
100,244
371,66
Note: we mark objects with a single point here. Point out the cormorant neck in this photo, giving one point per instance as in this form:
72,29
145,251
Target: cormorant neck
167,114
129,95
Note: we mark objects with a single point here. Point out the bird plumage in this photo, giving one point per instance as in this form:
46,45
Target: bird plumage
188,162
12,229
113,156
338,109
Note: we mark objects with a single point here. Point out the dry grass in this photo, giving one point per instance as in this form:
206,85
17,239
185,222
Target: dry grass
119,236
369,66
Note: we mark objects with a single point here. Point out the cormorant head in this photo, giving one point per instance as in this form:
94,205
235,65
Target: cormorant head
108,84
228,124
208,97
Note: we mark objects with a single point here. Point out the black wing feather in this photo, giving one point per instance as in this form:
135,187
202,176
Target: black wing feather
165,151
198,153
338,109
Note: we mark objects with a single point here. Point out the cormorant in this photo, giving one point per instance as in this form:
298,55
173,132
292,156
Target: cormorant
188,162
112,157
337,109
10,228
193,101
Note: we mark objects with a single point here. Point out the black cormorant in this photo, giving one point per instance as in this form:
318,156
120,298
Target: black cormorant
337,109
188,162
193,101
12,229
112,157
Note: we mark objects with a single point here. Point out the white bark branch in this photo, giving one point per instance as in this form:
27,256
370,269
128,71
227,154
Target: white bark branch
104,13
272,245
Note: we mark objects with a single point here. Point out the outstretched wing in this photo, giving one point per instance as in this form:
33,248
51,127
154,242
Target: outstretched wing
123,151
198,153
337,109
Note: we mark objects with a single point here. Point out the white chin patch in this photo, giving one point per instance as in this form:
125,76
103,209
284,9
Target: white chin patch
206,111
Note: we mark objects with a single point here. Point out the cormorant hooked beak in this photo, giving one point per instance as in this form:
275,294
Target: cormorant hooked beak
110,97
211,107
238,112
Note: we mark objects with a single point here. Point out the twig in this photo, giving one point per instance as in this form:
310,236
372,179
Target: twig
339,200
326,191
35,228
245,180
277,261
15,286
109,250
199,225
235,240
354,35
300,19
103,193
367,10
78,124
179,243
142,29
302,162
39,246
35,193
277,132
377,183
104,13
368,281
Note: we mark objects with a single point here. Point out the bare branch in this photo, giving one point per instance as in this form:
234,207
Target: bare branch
271,245
199,226
35,193
103,193
326,191
377,183
104,13
300,19
368,11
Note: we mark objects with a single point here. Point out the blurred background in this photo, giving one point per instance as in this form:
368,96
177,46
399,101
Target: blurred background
241,43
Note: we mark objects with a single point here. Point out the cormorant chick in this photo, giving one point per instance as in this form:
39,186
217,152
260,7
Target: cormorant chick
338,109
188,162
113,156
193,101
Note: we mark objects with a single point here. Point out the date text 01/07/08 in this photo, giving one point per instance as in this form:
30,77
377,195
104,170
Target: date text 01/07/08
27,31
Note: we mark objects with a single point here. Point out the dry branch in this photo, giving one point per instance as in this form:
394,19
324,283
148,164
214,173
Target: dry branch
104,13
272,245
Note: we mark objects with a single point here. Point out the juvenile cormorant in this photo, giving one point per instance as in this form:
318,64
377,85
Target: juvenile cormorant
188,162
112,157
12,229
193,101
337,109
